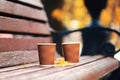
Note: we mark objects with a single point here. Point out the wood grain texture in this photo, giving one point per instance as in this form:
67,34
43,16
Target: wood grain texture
33,2
38,70
35,65
7,44
18,57
18,17
21,10
90,71
16,67
23,26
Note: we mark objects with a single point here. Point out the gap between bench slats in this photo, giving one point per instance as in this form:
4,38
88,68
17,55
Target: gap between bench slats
23,26
21,10
48,71
32,3
16,67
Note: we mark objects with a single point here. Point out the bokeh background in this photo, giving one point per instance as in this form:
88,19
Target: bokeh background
73,14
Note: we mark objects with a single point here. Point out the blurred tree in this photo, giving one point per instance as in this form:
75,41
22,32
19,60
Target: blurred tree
72,14
50,6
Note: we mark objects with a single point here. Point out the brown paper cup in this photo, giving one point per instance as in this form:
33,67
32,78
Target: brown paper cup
46,53
71,51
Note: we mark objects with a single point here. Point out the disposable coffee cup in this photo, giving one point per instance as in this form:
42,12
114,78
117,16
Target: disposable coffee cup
46,53
71,51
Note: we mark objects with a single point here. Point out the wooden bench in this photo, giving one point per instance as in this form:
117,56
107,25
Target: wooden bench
18,55
22,17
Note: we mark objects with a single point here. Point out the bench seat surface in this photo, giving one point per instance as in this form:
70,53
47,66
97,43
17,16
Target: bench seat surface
88,68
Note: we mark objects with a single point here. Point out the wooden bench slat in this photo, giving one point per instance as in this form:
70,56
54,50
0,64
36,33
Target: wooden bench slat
21,10
91,71
12,58
16,67
47,71
23,26
33,2
13,51
22,71
28,65
21,44
23,17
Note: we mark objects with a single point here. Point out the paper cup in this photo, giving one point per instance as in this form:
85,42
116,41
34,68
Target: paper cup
71,51
46,53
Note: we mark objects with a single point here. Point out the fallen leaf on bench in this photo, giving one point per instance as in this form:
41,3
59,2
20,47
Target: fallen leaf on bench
61,62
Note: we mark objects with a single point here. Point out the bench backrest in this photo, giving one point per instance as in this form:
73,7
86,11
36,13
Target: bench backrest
22,17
